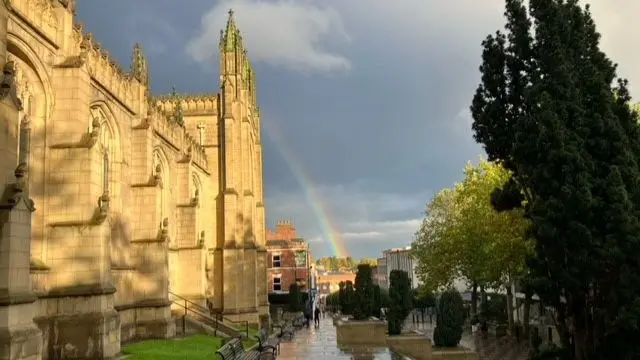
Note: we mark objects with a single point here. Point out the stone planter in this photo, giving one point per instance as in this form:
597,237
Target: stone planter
457,353
415,345
338,317
366,332
418,346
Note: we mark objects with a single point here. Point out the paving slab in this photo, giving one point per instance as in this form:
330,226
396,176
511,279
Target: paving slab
320,343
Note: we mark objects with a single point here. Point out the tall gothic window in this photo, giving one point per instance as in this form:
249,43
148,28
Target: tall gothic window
160,169
106,147
23,92
196,193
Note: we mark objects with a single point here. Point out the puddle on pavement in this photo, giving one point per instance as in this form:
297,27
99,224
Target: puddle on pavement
370,353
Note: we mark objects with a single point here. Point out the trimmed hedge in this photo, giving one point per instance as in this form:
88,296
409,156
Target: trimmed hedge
364,293
295,298
283,299
450,319
400,301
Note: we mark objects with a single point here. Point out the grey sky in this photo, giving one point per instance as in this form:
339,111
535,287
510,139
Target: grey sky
370,96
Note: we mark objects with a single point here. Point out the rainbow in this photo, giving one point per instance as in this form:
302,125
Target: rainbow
325,220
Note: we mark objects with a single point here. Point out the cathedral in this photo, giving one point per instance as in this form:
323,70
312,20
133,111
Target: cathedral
116,201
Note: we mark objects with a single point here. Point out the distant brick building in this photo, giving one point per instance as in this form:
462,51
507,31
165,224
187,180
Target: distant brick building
328,282
288,258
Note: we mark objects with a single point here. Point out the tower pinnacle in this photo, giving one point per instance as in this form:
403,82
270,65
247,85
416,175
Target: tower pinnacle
139,64
230,39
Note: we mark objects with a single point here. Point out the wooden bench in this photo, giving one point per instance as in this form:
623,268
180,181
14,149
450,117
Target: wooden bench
299,322
234,350
267,343
286,329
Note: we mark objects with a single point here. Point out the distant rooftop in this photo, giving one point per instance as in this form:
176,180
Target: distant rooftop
406,248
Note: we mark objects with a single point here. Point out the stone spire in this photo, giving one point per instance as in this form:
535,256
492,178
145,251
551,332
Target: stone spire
234,61
230,38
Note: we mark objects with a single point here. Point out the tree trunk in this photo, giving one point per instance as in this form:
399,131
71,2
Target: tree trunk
474,300
526,311
580,329
483,296
510,308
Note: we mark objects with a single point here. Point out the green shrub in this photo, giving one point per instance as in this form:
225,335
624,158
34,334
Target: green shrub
495,308
377,301
283,298
385,300
333,301
450,319
423,300
341,296
349,295
363,297
400,301
295,298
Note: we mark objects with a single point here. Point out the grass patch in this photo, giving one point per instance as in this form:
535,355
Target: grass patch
253,331
196,347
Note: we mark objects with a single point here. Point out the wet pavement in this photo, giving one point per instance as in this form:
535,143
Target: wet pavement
311,343
489,348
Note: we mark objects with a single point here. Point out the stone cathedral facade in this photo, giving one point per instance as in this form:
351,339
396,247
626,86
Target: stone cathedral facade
113,199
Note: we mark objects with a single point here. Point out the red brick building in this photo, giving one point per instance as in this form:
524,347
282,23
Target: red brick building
288,258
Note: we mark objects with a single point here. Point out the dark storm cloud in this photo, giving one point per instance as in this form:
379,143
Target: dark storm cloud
371,95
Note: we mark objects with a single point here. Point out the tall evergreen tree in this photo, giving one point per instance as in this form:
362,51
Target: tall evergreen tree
400,303
548,110
295,298
349,298
364,297
342,298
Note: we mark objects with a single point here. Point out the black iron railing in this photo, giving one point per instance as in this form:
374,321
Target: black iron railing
201,311
190,309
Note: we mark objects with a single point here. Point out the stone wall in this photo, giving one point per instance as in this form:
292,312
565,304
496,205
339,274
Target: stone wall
135,197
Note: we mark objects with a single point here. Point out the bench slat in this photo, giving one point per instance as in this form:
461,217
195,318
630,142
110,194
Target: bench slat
234,350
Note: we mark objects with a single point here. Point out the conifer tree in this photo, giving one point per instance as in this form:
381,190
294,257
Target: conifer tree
349,295
400,301
364,293
547,108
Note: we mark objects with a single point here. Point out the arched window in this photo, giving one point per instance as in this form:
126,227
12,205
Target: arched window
107,155
196,195
24,94
161,170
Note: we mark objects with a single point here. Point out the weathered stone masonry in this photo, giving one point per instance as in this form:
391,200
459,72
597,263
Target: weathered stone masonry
112,198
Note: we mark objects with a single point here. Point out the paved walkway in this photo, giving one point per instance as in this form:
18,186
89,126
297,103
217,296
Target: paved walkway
488,348
311,344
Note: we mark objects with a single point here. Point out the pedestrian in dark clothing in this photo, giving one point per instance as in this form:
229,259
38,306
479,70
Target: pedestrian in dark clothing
317,317
307,317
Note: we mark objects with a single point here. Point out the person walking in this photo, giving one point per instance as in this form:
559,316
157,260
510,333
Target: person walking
316,318
307,316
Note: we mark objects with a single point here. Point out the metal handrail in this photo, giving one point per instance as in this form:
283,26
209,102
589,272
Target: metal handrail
218,317
187,301
202,315
242,322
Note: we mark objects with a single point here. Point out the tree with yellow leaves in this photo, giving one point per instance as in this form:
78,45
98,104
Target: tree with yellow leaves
463,237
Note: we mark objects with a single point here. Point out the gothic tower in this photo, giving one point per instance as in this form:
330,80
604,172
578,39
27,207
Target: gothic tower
244,253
